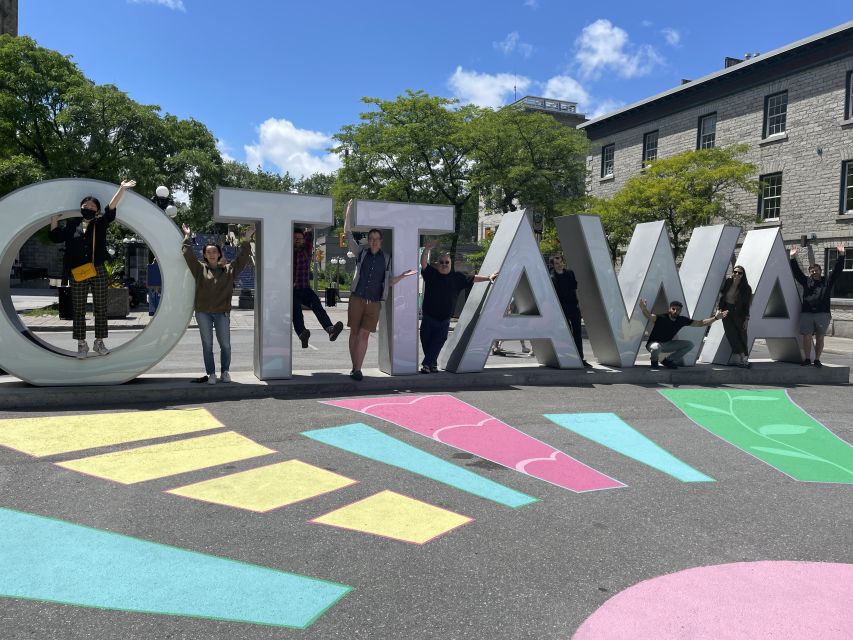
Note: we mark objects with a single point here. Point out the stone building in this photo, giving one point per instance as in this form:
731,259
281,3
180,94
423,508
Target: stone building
9,17
794,108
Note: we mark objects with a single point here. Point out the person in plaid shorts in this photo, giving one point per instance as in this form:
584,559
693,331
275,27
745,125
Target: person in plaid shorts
86,241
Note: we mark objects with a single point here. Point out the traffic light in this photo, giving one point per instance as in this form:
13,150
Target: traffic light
342,242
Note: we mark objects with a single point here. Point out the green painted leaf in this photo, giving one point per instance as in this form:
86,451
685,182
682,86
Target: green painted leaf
787,452
705,407
783,429
755,398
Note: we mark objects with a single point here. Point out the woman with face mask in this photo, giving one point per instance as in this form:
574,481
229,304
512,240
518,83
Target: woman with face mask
86,246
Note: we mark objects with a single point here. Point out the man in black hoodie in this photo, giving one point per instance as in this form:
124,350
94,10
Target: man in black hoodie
814,315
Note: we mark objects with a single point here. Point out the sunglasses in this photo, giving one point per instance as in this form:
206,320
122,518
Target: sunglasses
737,273
444,262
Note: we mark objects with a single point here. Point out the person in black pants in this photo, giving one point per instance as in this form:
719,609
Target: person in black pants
566,286
303,242
85,241
736,298
441,287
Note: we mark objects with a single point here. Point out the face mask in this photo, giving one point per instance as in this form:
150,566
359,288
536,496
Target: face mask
87,214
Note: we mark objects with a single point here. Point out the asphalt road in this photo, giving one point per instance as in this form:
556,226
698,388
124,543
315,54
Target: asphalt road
537,571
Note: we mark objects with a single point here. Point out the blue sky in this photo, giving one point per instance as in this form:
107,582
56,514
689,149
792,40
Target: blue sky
273,80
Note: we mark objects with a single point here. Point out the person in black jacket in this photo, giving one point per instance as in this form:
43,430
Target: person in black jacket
815,315
566,285
736,298
86,241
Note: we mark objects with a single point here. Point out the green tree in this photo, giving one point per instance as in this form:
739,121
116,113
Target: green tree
317,184
56,123
527,160
686,190
412,149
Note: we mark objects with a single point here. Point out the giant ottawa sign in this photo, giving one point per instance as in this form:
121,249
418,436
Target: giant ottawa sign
614,323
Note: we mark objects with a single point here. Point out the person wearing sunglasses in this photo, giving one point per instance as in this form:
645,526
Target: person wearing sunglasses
815,312
85,241
736,298
441,289
566,286
666,326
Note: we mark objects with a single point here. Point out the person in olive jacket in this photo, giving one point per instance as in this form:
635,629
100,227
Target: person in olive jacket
86,242
214,286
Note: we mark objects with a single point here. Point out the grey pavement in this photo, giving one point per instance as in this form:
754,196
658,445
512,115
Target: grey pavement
323,367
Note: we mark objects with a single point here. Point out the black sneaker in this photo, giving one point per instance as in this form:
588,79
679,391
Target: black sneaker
424,369
655,364
356,374
304,338
818,363
805,363
669,364
335,331
433,369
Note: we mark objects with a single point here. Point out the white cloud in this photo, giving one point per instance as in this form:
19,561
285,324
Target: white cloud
225,151
604,106
671,36
298,151
567,88
603,46
511,43
174,5
533,4
484,89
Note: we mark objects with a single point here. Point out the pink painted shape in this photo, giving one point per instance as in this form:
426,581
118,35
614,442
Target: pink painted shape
739,601
458,424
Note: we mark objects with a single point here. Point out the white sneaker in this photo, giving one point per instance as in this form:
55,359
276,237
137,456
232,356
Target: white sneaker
100,348
82,349
211,379
225,377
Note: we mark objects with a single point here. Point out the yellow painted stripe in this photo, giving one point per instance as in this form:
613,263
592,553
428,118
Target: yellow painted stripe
266,488
61,434
396,516
168,459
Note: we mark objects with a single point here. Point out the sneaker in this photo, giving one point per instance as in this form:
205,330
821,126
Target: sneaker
335,331
818,363
525,349
100,348
356,374
304,338
805,363
424,369
433,369
225,377
669,364
82,349
211,379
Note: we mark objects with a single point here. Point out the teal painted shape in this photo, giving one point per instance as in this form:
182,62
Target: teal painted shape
51,560
610,430
366,441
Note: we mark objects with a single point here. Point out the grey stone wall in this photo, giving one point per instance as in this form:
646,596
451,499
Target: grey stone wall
810,154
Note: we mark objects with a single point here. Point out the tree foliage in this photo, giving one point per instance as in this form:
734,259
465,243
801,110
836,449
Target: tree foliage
686,190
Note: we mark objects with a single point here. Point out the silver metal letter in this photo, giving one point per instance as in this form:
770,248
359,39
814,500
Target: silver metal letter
398,329
24,355
276,214
515,253
775,309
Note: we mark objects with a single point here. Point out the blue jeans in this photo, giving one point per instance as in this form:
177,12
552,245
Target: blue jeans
433,337
222,323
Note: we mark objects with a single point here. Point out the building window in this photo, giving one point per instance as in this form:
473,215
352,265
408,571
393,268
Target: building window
832,256
607,160
848,106
775,112
847,187
650,147
707,131
770,198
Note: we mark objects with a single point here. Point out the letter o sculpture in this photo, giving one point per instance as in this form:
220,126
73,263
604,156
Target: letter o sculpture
25,211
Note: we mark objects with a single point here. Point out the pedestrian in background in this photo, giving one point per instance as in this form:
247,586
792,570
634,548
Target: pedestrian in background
214,286
85,254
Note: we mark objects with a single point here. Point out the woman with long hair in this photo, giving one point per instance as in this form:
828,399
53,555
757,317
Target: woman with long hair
736,298
214,286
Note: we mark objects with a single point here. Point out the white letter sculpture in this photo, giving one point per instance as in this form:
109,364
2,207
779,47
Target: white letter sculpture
775,310
25,211
515,253
613,320
398,328
276,213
